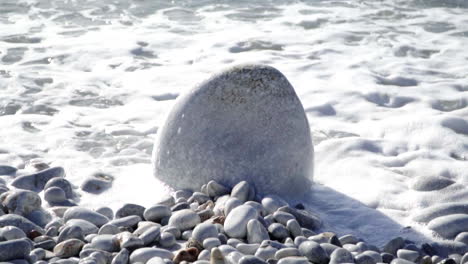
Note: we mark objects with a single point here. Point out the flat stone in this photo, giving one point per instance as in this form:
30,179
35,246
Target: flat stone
409,255
449,226
97,183
71,232
128,221
68,248
85,214
7,170
313,252
157,212
144,254
235,224
14,249
184,219
36,181
234,110
256,232
21,222
11,233
204,231
86,226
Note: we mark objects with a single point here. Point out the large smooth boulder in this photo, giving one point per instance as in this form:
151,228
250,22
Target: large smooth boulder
245,123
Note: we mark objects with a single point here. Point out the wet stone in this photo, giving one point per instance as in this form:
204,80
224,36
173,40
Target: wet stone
71,232
22,202
61,183
106,211
130,209
14,249
36,181
97,183
393,245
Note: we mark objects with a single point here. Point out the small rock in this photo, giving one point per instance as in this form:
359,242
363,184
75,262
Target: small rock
156,260
256,232
364,259
272,203
409,255
211,242
173,230
22,202
126,222
85,214
7,170
401,261
199,197
230,204
189,255
393,245
39,253
251,260
14,249
258,206
156,212
374,255
184,194
108,229
184,219
242,191
216,256
293,260
266,252
235,224
61,183
305,218
11,233
287,252
282,217
387,257
55,195
87,227
130,209
180,206
167,240
70,232
204,231
129,240
151,235
36,181
278,231
144,254
121,257
341,255
20,222
68,248
215,189
97,183
313,252
205,214
108,243
106,211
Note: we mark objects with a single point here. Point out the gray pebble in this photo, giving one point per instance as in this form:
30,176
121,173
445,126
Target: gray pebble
130,209
173,230
157,212
199,197
204,255
235,224
55,195
393,245
71,232
258,206
121,257
39,253
63,184
251,260
305,218
256,232
184,219
108,243
287,252
271,203
230,204
401,261
11,232
409,255
126,222
21,222
167,240
211,242
341,255
97,183
282,217
293,260
129,240
242,191
22,202
86,226
278,231
387,257
294,228
106,211
313,252
180,206
364,259
7,170
108,229
214,189
85,214
329,248
204,231
68,248
14,249
151,235
266,252
185,194
39,217
36,181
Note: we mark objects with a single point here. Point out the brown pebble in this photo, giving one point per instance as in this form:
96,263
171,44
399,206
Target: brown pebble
188,254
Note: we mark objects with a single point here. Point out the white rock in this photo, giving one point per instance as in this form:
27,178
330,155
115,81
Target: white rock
85,214
144,254
211,242
247,249
242,191
293,260
256,232
11,232
266,252
230,204
184,219
167,240
157,212
253,112
272,203
204,231
235,224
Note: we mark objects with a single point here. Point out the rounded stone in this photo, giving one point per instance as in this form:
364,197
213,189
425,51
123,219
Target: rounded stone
256,232
278,231
85,214
211,242
449,226
157,212
61,183
293,260
204,231
462,237
235,224
106,211
245,123
22,202
68,248
97,183
167,240
55,195
11,232
130,209
14,249
184,219
144,254
313,252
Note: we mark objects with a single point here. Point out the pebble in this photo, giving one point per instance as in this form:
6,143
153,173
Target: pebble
247,249
287,252
108,229
109,243
341,255
184,219
278,231
167,240
86,226
37,181
204,255
282,217
144,254
39,253
409,255
129,240
7,170
266,252
393,245
230,204
329,248
40,217
216,256
214,189
151,235
242,191
464,259
211,242
61,183
305,218
185,194
121,257
68,248
11,233
106,211
22,202
313,252
199,197
374,255
205,214
126,222
204,231
235,224
401,261
97,183
273,203
156,213
173,230
293,260
348,239
55,196
14,249
22,223
189,255
130,209
258,206
256,232
85,214
69,232
251,260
